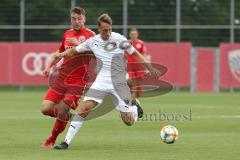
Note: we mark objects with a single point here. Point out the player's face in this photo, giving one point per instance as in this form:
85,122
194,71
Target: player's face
105,30
133,35
78,21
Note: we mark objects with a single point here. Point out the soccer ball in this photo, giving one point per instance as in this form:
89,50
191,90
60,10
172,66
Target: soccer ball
169,134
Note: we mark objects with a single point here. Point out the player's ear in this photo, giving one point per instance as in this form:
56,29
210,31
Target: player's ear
84,19
99,29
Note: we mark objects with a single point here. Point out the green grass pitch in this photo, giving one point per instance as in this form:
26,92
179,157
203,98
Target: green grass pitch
208,127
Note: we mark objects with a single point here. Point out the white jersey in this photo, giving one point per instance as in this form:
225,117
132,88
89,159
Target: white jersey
112,63
111,78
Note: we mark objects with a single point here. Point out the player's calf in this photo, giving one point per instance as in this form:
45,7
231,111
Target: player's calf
86,108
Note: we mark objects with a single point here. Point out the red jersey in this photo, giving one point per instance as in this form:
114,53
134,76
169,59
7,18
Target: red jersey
77,75
81,36
139,46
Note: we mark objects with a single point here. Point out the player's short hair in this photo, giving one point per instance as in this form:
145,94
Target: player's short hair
78,10
133,29
104,18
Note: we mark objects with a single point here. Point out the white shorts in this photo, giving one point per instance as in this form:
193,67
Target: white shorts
120,94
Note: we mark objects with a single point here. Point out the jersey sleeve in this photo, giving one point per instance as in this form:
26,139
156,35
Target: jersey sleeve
129,49
61,47
83,47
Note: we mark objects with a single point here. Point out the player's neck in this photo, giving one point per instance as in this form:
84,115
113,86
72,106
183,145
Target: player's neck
75,31
134,40
105,38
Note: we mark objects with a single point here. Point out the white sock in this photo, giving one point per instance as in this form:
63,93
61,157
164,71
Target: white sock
134,113
75,125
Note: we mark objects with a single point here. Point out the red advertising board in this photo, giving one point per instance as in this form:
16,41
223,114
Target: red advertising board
205,70
21,63
176,57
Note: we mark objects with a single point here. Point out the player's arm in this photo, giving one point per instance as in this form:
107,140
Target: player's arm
141,59
81,48
67,53
73,41
144,53
54,60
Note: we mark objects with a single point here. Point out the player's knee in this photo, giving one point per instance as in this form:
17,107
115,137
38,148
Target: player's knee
46,111
64,115
47,108
128,120
84,111
63,112
63,108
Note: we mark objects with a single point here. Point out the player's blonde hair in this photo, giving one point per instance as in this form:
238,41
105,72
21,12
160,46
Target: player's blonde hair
104,18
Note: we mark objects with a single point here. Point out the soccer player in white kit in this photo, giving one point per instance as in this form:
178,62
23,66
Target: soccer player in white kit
109,48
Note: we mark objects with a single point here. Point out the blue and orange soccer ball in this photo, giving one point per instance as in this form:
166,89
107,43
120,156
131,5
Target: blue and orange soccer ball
169,134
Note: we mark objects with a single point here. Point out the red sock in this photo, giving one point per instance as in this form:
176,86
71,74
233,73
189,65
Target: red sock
138,91
58,127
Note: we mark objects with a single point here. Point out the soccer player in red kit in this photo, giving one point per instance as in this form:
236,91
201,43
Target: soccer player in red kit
61,97
136,70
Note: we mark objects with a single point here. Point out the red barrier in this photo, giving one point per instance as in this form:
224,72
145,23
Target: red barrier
21,63
205,70
176,57
229,65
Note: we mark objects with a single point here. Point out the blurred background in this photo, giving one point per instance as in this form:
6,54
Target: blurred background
201,22
192,38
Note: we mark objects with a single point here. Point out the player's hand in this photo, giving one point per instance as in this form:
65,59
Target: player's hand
46,72
58,56
155,72
73,41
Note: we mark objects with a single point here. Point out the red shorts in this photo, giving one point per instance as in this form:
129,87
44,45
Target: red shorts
136,74
68,85
70,99
135,70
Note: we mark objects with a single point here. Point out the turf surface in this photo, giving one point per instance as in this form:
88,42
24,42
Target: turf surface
208,127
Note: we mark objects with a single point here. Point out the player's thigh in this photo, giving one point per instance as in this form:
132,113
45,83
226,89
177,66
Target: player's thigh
62,107
72,101
136,78
122,94
95,94
51,98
